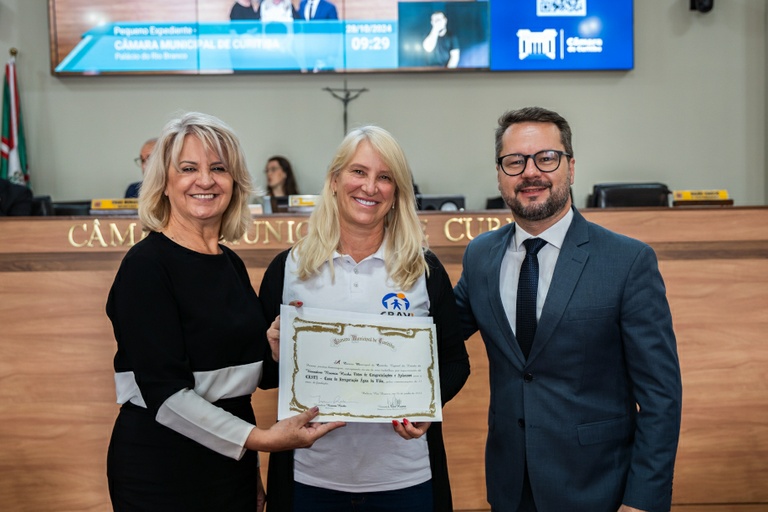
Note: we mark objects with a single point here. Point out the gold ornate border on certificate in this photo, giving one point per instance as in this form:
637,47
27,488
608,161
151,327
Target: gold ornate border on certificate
304,325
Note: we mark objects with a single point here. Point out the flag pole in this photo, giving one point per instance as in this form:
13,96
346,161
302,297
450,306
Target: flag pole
13,153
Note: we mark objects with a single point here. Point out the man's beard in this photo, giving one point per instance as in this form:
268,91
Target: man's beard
558,198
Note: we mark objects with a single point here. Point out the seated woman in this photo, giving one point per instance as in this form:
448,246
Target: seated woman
280,179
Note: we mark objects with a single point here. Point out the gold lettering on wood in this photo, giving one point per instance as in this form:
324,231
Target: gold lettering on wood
457,229
71,235
291,240
116,238
96,234
447,229
266,232
275,231
300,231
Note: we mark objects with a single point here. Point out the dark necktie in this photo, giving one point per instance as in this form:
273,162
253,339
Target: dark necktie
527,288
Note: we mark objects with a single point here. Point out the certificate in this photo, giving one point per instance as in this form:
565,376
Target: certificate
358,368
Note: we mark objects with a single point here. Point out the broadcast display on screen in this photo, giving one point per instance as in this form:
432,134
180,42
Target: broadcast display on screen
94,37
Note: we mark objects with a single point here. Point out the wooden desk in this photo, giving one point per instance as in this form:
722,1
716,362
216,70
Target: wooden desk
57,402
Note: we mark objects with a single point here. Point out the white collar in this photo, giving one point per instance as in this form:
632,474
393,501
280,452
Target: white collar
553,235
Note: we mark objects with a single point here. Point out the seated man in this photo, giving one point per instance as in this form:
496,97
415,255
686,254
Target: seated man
14,199
141,160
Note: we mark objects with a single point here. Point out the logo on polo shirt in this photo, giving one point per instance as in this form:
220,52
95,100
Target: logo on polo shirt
396,304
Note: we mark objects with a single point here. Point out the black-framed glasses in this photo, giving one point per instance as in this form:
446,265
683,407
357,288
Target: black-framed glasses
547,160
140,161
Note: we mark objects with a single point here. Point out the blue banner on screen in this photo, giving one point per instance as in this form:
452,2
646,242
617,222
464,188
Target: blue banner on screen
531,35
355,36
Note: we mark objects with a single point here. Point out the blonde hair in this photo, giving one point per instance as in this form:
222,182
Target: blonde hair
405,239
216,136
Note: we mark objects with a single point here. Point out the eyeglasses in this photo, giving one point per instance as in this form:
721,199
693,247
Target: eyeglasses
140,161
545,161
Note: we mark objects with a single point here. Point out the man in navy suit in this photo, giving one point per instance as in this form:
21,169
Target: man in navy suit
317,10
586,417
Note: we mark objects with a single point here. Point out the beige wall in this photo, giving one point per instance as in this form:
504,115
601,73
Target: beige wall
692,113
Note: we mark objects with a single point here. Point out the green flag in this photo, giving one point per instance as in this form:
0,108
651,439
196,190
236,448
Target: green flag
13,151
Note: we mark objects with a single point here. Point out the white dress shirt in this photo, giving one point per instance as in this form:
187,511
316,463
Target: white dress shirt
310,9
513,260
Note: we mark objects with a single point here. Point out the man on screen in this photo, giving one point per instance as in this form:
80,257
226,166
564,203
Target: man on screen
442,46
317,10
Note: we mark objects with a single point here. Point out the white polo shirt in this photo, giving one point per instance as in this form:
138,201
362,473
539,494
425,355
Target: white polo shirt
361,457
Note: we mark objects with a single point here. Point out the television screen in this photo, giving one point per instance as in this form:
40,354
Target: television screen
313,36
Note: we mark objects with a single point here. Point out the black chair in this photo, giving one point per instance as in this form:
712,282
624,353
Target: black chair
611,195
439,202
496,203
279,204
42,206
72,208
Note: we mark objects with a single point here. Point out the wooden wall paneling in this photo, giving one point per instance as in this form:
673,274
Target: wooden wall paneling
57,399
465,426
720,312
56,348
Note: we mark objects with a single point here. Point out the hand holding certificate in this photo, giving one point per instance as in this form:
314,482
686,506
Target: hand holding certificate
358,368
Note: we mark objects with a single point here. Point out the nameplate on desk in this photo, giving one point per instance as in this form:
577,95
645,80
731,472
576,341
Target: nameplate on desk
115,204
699,195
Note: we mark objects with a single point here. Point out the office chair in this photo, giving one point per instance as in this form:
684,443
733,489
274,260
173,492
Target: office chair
496,203
76,208
42,206
440,202
610,195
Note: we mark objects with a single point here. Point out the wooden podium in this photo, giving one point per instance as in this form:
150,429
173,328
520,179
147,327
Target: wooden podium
57,400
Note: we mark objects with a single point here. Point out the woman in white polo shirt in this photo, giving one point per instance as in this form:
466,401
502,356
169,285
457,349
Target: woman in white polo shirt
365,243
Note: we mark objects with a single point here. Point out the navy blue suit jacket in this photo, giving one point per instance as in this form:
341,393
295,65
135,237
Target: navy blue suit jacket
325,11
133,190
595,410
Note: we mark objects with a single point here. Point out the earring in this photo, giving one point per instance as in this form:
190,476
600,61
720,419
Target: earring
393,206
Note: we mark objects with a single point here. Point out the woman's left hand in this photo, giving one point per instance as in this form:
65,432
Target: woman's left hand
273,337
409,430
273,333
